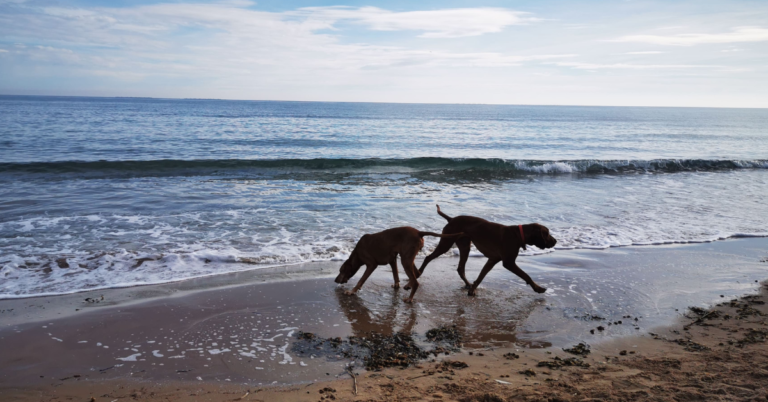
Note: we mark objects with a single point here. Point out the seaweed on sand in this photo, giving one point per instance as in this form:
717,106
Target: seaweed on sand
557,363
377,350
582,349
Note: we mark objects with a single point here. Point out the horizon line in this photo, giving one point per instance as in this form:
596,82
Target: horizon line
379,102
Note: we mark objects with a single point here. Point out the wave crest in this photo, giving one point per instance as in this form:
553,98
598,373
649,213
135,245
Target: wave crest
425,168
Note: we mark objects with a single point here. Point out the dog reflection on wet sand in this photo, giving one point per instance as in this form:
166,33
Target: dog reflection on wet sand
384,320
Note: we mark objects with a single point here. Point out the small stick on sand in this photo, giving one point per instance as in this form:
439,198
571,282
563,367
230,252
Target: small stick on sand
349,370
246,394
698,320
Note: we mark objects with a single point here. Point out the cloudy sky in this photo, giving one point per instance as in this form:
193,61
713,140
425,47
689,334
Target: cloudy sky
633,52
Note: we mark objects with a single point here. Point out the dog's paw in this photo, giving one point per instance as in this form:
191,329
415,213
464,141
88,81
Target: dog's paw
471,291
408,300
350,292
396,285
407,287
539,289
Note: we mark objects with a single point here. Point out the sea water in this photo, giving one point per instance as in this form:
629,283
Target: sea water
106,192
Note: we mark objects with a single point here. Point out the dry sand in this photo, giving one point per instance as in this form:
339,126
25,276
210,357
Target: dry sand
714,354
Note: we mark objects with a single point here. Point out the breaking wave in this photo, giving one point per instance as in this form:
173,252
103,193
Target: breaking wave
425,168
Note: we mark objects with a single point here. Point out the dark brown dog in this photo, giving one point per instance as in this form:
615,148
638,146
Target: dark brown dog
382,248
495,241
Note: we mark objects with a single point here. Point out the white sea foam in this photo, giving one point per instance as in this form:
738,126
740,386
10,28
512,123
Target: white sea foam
54,255
131,358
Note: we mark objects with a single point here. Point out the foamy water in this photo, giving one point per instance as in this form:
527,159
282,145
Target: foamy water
105,193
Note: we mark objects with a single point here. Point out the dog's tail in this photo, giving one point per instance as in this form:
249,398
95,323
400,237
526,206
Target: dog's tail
422,234
448,218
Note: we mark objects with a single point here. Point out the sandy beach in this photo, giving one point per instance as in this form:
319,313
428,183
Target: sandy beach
221,337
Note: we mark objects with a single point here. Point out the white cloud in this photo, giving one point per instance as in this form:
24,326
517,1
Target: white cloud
645,52
448,23
3,51
743,34
227,38
626,66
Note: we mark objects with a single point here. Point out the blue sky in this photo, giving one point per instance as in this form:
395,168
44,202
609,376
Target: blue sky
665,53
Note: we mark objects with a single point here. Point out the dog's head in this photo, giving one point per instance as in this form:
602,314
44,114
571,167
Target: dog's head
348,270
538,235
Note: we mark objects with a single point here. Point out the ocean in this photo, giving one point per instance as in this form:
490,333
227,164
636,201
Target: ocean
110,192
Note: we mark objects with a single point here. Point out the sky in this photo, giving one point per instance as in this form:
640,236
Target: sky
544,52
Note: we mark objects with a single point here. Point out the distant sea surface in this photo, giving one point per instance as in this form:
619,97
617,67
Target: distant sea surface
105,192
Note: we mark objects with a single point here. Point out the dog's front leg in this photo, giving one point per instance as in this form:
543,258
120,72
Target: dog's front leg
512,266
368,271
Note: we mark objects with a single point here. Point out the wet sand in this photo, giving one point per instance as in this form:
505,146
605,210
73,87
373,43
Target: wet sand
233,333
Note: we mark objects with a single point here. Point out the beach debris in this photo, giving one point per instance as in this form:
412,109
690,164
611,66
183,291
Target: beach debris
582,349
511,356
449,336
690,345
503,382
246,394
589,317
378,351
528,372
701,315
328,393
753,336
557,363
62,262
623,353
307,336
399,349
450,364
92,300
444,367
485,397
354,378
601,328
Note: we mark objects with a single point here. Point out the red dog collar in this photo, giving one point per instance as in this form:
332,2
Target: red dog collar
521,234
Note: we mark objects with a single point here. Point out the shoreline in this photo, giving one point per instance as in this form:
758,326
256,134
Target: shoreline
132,294
320,266
505,317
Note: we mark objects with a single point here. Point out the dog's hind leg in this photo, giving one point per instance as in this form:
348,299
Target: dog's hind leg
512,266
486,268
410,269
395,275
464,245
368,271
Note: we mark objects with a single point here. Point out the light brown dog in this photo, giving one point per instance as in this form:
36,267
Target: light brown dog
495,241
382,248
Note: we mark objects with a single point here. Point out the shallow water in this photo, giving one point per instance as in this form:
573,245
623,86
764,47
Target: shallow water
99,192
